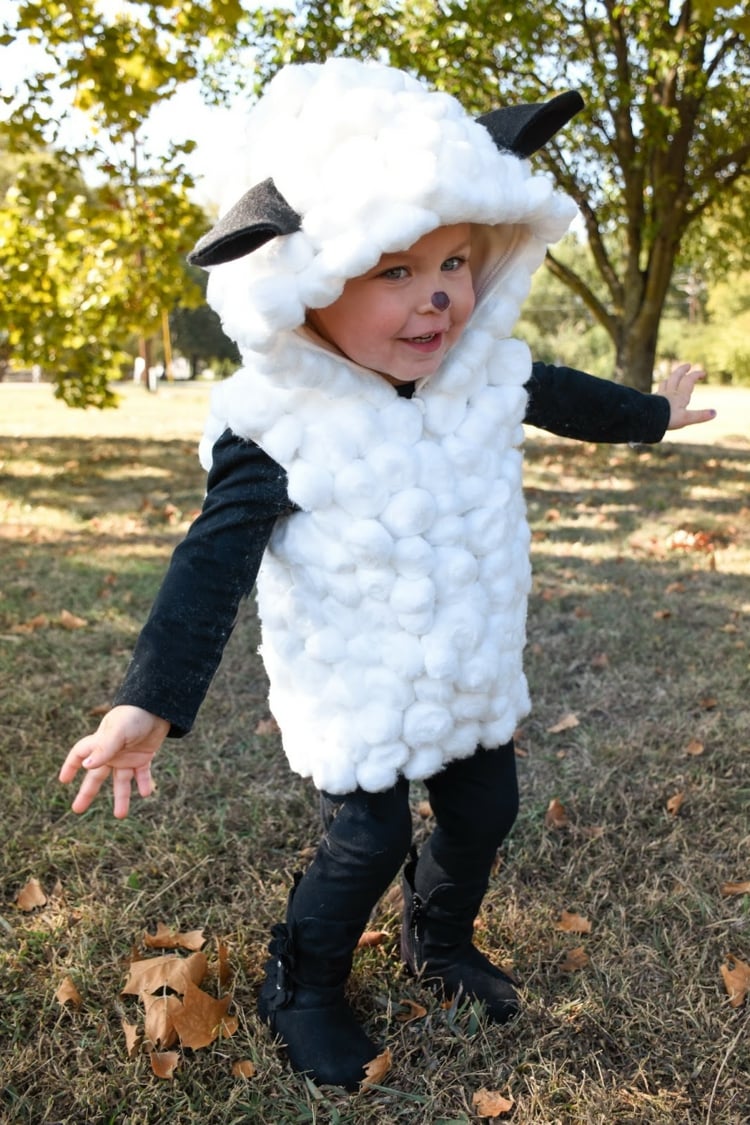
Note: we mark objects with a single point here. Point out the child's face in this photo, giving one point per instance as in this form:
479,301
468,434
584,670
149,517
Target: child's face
386,320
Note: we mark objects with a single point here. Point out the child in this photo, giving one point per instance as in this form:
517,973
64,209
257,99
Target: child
364,465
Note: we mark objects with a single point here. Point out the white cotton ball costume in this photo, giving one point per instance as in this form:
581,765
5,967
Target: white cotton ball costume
393,602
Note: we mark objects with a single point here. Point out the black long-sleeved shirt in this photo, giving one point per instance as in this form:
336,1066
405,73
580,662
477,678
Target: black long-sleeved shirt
215,566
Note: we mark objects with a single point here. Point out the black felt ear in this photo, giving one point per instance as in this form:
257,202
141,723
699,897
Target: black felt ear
261,214
523,129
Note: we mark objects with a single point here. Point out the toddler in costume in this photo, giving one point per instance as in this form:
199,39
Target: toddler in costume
364,465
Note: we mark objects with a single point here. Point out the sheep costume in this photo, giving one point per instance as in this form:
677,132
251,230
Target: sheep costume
393,598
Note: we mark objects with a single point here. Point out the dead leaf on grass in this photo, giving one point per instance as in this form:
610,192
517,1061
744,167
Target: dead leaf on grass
371,938
695,748
224,966
567,722
491,1103
165,1063
154,973
736,977
376,1069
159,1028
67,993
662,614
201,1019
243,1068
571,923
599,660
708,703
574,960
736,888
133,1038
30,896
415,1011
164,938
675,803
556,816
267,726
70,621
424,809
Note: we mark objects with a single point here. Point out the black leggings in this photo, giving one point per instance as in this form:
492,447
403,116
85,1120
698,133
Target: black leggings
368,835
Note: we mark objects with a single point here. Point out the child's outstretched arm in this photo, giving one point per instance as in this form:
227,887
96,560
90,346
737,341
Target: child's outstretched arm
123,746
677,388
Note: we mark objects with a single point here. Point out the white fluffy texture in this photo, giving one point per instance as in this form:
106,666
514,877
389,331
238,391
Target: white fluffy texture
393,604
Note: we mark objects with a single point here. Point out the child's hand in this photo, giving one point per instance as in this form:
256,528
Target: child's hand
677,388
124,745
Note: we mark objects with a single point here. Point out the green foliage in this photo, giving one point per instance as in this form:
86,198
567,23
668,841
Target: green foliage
720,343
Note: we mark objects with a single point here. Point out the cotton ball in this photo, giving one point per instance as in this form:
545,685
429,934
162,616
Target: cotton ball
402,655
345,595
455,568
469,705
440,657
412,595
378,723
283,438
369,542
446,531
417,623
409,512
425,724
326,645
383,685
320,447
402,420
359,492
444,413
375,582
380,769
485,529
462,741
309,486
435,471
413,557
427,689
423,763
394,463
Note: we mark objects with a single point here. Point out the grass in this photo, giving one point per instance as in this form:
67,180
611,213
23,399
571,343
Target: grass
644,640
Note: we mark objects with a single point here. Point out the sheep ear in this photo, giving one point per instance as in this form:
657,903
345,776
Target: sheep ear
261,214
523,129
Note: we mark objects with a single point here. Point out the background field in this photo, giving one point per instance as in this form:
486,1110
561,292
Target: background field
638,627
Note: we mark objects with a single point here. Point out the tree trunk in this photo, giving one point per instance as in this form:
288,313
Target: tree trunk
635,355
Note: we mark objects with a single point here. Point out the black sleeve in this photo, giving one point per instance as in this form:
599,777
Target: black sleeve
212,569
575,405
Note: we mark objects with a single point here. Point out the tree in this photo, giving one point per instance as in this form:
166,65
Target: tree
198,335
664,140
83,269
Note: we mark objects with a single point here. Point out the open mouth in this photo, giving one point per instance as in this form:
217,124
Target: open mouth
430,341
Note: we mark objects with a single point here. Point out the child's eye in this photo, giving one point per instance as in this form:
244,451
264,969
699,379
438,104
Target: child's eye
452,264
395,273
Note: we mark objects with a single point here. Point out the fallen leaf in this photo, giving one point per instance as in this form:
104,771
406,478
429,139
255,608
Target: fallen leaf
424,809
415,1011
662,614
694,747
556,816
674,804
99,710
574,960
376,1069
491,1103
133,1038
67,993
593,831
736,888
573,923
159,1029
201,1018
736,977
225,969
372,938
165,1063
70,621
164,938
599,660
567,722
243,1068
267,726
153,973
708,703
31,896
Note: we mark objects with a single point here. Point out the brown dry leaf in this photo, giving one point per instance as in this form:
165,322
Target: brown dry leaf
164,938
708,703
153,973
573,923
574,960
736,977
243,1068
736,888
31,896
67,993
225,969
70,621
661,614
491,1103
99,710
372,938
567,722
201,1019
133,1037
267,726
165,1063
376,1069
593,831
159,1029
415,1011
694,748
599,660
23,628
424,809
674,804
556,816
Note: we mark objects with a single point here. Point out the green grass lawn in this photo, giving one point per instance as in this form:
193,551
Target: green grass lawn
638,637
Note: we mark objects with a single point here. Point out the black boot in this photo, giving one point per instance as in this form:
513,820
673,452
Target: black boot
303,1002
436,938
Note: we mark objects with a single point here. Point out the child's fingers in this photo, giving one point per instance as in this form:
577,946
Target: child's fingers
74,760
90,786
121,780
